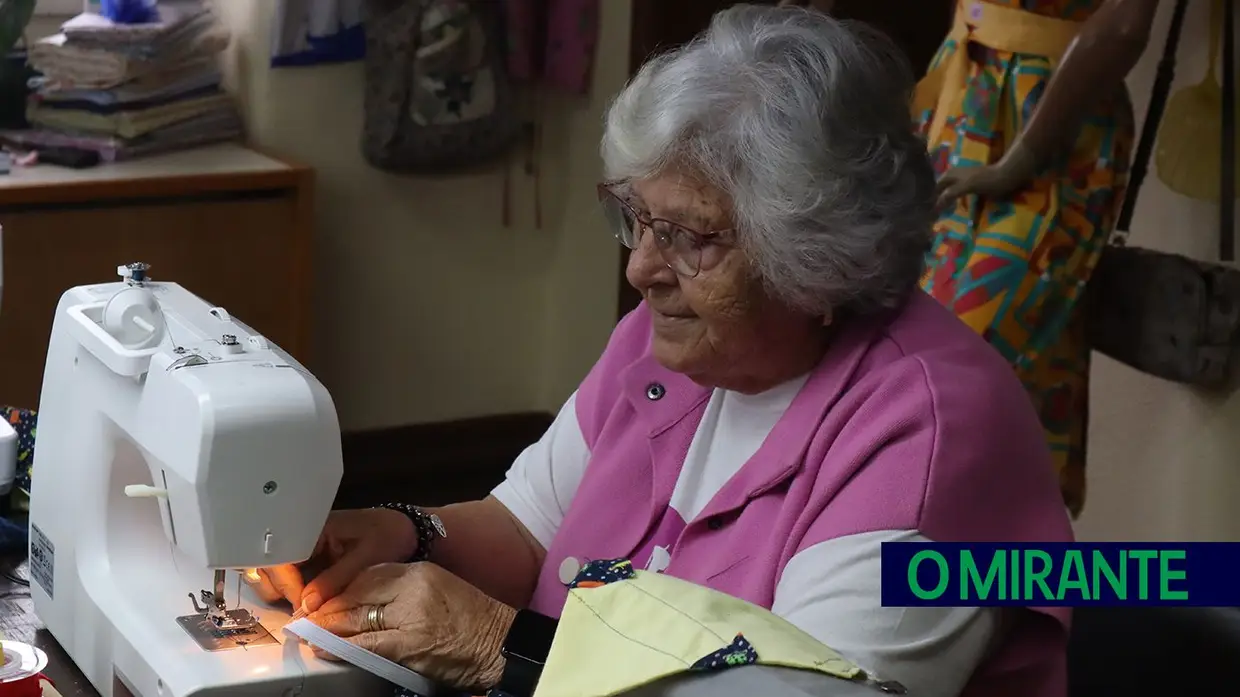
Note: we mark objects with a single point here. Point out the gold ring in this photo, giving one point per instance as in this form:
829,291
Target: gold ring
374,618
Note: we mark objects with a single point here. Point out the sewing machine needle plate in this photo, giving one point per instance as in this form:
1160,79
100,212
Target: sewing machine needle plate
211,638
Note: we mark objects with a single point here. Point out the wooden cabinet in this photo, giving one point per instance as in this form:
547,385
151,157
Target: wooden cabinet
230,224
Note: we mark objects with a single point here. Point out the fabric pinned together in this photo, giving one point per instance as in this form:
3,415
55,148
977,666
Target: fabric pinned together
622,628
739,653
601,573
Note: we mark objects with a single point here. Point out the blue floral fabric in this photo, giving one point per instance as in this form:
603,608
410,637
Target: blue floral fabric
603,572
739,653
25,423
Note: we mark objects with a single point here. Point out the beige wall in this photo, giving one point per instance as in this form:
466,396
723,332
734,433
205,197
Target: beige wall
1164,461
428,308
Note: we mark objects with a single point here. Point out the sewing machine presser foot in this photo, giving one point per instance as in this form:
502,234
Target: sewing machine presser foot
224,619
216,628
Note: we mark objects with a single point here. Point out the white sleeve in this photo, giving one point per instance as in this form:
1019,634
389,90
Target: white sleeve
831,591
542,481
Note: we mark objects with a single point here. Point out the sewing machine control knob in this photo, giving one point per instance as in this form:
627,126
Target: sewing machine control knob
145,491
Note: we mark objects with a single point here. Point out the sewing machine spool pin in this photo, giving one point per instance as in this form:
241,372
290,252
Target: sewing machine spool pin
135,273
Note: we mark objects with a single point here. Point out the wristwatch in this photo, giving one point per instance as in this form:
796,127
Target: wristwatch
428,526
525,653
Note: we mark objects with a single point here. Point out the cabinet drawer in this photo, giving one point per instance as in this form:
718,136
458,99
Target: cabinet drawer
241,254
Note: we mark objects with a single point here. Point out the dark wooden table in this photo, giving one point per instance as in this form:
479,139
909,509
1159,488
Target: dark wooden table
18,623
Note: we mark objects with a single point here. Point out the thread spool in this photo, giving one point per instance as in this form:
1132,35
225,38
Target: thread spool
20,670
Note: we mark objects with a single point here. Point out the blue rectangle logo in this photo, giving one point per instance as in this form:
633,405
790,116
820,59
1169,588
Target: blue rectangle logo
1202,574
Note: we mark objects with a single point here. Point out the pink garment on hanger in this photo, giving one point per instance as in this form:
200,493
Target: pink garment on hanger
552,42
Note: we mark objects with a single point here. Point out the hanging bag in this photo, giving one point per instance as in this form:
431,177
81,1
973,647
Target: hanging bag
1165,314
438,96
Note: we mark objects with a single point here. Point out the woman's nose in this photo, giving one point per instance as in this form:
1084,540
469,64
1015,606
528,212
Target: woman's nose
647,266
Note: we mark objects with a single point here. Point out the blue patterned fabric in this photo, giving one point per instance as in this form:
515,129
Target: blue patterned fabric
603,572
25,423
129,11
739,653
316,32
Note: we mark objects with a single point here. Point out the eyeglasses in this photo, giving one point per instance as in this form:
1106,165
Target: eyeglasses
681,247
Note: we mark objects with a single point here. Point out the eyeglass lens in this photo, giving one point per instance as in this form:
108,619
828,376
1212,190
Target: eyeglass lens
679,247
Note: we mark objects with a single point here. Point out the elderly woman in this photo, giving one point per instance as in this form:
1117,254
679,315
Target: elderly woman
784,401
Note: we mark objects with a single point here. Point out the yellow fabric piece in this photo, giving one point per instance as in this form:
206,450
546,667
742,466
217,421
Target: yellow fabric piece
630,633
995,26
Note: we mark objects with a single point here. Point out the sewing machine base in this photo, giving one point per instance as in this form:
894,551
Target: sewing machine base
210,638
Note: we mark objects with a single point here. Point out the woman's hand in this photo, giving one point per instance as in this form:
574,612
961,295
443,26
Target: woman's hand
430,621
352,541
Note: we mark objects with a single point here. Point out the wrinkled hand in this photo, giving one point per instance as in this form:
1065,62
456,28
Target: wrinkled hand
999,180
432,622
352,541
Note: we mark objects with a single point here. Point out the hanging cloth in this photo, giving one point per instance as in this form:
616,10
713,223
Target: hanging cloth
315,32
551,42
551,45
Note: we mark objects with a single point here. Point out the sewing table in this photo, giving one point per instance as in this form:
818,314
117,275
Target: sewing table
19,623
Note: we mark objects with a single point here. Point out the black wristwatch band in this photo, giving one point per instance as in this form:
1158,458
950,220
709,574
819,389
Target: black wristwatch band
525,653
427,525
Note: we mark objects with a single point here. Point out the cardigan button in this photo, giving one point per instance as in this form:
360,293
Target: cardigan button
569,568
655,391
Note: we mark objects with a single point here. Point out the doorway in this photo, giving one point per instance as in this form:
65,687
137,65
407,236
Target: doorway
658,25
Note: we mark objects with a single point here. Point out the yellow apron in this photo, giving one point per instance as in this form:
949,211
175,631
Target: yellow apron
995,26
629,633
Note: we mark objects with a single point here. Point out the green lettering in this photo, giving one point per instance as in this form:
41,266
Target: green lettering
1013,590
1037,576
971,578
1102,567
944,575
1143,557
1166,575
1072,576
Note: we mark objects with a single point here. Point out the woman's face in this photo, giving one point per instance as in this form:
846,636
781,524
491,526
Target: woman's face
720,328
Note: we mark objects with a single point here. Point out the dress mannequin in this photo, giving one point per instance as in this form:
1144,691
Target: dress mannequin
1030,193
1030,128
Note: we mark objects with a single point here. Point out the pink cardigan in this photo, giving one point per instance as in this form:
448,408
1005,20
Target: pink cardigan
910,422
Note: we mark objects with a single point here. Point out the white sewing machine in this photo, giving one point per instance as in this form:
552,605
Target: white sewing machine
176,449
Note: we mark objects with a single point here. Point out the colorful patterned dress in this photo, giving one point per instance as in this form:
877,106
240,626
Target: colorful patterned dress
1014,269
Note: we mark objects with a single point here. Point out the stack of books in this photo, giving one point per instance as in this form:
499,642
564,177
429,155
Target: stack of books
127,90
